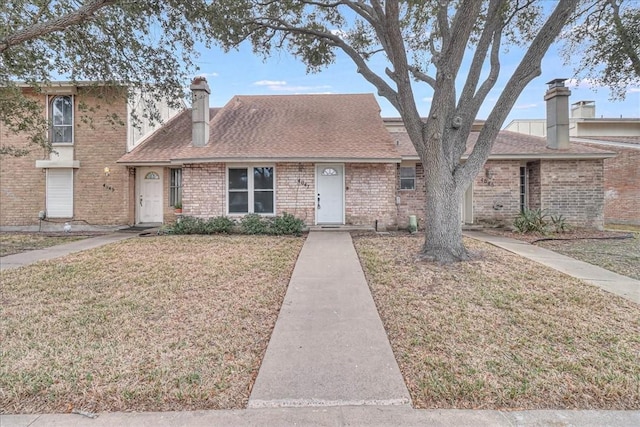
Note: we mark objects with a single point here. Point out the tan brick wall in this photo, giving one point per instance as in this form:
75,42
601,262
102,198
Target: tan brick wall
622,187
412,202
574,189
98,143
496,195
295,190
370,195
204,190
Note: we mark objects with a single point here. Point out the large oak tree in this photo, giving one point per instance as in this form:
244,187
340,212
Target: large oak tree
452,46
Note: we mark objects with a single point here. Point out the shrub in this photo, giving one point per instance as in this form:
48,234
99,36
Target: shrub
531,220
219,224
287,224
559,223
189,225
254,224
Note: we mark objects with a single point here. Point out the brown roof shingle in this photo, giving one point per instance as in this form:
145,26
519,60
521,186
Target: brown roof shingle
295,127
507,144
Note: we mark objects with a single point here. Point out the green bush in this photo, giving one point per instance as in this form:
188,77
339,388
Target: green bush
218,225
287,224
254,224
559,223
189,225
531,220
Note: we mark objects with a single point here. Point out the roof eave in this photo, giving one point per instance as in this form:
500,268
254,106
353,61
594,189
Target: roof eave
285,160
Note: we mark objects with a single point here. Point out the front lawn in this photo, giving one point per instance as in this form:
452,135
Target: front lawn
148,324
15,242
502,331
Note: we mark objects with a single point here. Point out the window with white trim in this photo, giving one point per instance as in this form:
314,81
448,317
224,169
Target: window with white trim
407,177
524,181
175,187
251,190
60,193
61,119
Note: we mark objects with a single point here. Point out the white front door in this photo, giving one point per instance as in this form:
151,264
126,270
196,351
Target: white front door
330,194
149,195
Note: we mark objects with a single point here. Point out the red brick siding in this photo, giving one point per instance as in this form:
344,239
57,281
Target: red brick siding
622,187
204,190
370,194
496,196
574,189
412,202
295,190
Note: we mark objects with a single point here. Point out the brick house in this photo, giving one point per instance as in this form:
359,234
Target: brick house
332,160
328,159
621,173
80,182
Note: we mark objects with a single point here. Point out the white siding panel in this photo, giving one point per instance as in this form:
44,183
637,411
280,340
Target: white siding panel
60,193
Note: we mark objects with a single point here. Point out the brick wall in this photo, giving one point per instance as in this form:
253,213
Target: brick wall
574,189
370,194
204,190
496,193
622,187
412,202
295,190
98,143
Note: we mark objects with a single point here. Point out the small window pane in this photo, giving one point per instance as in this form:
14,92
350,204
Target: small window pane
263,178
263,202
407,178
152,175
238,179
61,116
175,193
238,202
329,172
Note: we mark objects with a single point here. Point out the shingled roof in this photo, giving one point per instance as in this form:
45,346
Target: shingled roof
508,145
277,128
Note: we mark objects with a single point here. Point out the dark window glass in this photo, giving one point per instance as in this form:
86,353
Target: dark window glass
238,179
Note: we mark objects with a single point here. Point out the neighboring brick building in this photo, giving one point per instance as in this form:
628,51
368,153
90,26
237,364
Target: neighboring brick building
621,173
80,182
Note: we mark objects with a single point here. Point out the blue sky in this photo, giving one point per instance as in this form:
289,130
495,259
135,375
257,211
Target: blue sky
244,73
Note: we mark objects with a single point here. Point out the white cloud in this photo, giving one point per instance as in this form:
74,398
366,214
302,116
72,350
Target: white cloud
283,86
525,106
427,99
270,83
633,90
582,83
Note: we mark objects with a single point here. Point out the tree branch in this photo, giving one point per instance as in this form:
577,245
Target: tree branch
82,14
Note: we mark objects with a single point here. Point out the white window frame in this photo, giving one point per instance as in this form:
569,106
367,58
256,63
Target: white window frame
175,191
250,188
407,166
523,189
50,100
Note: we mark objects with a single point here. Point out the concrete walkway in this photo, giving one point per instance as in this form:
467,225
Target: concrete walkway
612,282
328,347
29,257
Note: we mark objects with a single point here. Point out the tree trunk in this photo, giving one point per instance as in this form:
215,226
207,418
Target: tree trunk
443,222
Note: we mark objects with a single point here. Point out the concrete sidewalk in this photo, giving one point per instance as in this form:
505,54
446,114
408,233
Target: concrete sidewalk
334,416
329,346
29,257
612,282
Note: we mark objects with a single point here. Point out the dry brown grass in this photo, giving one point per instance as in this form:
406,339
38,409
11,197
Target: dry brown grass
619,255
13,243
148,324
502,331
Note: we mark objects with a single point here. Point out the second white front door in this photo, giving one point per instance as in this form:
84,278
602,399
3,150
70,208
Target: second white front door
330,194
149,195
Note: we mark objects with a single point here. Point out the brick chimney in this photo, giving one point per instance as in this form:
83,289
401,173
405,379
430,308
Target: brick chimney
557,98
200,111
